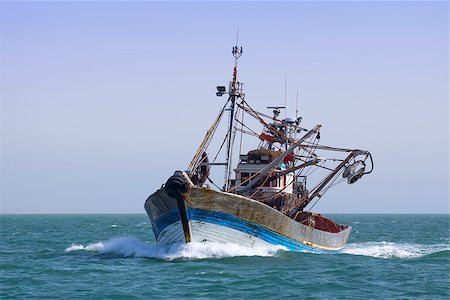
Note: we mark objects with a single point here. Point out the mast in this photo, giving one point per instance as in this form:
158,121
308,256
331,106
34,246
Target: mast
235,91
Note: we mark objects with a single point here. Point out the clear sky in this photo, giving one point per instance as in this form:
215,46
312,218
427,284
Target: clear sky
102,101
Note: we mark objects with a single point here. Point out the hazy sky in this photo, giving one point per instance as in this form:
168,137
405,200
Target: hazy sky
102,101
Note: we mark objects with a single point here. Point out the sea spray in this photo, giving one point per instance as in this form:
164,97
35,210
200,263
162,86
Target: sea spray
132,247
389,250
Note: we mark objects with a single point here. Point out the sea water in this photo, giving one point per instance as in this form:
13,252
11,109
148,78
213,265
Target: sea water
115,257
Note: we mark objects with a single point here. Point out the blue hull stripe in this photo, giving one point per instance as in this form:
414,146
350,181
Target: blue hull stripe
230,221
165,220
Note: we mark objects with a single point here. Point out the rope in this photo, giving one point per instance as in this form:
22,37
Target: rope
206,140
243,125
307,159
247,132
325,189
221,146
213,183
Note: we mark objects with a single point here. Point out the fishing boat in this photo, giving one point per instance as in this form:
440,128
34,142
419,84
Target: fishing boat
267,199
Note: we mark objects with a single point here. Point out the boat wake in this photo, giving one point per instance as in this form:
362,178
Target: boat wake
389,250
132,247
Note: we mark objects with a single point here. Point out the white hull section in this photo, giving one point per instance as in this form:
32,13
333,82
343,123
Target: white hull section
171,234
202,232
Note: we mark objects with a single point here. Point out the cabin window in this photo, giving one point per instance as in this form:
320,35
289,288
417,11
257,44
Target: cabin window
264,158
244,176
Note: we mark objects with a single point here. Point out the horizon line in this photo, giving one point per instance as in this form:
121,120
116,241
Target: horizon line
143,213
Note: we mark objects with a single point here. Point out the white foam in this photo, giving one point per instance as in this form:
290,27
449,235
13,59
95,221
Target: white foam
90,247
131,247
387,250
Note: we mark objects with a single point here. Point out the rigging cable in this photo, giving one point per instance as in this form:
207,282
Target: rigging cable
220,149
207,139
242,132
210,180
327,188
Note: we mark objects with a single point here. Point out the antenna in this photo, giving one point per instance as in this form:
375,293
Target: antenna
237,52
296,107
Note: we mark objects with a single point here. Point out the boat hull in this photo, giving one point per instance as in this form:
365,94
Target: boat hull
228,218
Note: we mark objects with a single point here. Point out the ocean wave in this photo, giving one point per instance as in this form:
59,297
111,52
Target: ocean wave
132,247
115,226
389,250
90,247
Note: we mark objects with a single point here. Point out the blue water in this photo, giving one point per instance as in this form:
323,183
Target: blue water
115,257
